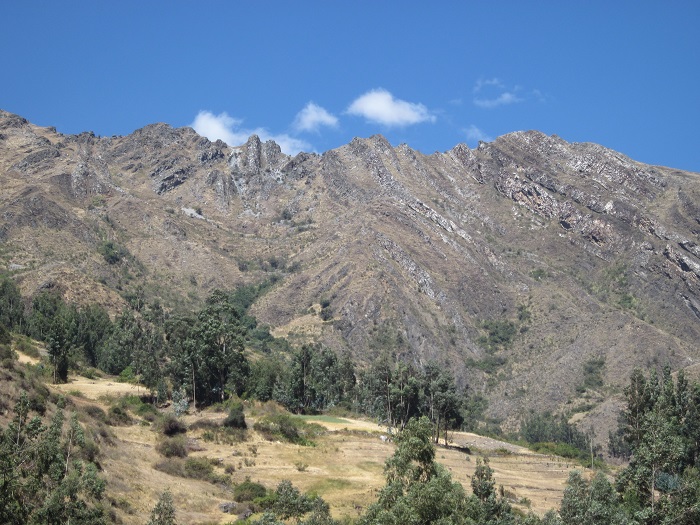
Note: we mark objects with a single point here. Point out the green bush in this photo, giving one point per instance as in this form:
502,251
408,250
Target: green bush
117,416
175,447
278,426
193,468
170,425
112,252
204,424
172,467
286,428
235,418
127,375
248,491
147,412
96,412
499,334
7,354
198,468
25,346
5,336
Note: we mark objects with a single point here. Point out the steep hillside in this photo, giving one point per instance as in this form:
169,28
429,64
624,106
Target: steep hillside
533,266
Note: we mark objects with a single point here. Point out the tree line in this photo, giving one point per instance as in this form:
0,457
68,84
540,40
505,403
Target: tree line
220,350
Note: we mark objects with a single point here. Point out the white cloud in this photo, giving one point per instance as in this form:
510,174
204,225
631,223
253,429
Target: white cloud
229,129
380,106
481,83
312,117
474,134
491,92
503,99
219,127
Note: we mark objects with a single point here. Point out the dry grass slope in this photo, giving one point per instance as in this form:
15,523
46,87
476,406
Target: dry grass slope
345,467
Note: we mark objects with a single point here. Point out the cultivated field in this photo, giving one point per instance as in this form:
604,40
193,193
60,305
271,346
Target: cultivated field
345,467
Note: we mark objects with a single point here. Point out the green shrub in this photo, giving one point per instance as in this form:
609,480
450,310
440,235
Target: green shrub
147,411
90,373
278,426
248,491
235,418
127,375
7,355
175,447
198,468
172,467
5,336
285,428
205,424
117,416
112,252
170,425
499,334
89,451
25,346
95,412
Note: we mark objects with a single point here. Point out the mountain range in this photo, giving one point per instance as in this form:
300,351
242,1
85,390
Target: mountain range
542,272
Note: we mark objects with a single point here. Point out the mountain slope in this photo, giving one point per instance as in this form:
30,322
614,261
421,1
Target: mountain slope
524,263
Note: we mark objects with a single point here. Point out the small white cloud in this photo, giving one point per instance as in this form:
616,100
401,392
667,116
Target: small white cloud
381,107
219,127
487,82
503,99
492,92
229,129
312,117
474,134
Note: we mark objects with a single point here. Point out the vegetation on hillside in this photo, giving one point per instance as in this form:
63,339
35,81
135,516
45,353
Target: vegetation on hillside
48,474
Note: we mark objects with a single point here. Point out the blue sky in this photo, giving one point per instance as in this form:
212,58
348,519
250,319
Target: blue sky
312,75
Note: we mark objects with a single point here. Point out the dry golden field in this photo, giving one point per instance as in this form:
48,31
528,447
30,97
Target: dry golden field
345,467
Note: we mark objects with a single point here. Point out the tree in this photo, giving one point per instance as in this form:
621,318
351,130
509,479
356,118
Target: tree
11,307
57,347
418,491
594,503
660,426
123,342
484,505
659,451
445,402
185,359
300,394
46,306
403,394
92,328
289,502
264,376
164,511
219,335
41,479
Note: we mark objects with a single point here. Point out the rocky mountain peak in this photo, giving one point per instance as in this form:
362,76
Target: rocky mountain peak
579,251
